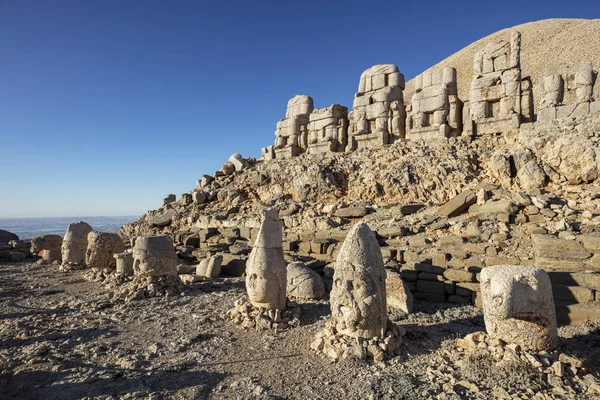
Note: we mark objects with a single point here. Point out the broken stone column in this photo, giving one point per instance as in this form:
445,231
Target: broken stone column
49,246
99,255
518,306
358,302
74,245
266,276
568,93
495,104
291,135
435,110
328,129
124,263
266,268
378,115
303,282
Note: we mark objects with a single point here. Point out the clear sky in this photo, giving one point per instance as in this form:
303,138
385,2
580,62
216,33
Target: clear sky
106,106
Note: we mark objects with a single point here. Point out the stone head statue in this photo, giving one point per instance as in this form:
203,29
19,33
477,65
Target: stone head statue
358,296
100,250
266,268
518,306
75,243
154,255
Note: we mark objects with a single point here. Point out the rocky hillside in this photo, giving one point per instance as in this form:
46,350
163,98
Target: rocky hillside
544,45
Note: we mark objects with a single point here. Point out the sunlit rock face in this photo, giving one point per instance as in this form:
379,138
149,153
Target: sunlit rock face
518,306
266,267
358,297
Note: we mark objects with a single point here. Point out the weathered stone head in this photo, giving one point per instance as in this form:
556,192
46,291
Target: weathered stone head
303,282
358,296
518,306
154,255
49,244
100,250
75,243
266,268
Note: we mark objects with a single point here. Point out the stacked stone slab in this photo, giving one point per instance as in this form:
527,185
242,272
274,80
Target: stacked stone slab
435,110
572,264
328,129
496,96
378,115
568,93
48,247
75,242
291,135
518,306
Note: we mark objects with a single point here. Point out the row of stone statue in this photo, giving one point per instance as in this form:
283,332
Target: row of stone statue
517,300
152,255
500,99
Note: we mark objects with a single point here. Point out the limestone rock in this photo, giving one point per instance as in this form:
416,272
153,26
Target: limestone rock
75,242
303,282
6,236
238,162
100,250
154,255
531,176
499,167
162,219
458,204
266,267
50,245
358,296
519,307
228,168
399,298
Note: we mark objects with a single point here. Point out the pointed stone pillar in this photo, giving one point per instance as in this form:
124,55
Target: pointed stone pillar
266,267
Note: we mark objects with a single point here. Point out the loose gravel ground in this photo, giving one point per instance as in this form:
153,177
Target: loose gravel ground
62,337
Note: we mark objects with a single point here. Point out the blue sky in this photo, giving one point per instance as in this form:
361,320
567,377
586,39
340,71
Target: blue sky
107,106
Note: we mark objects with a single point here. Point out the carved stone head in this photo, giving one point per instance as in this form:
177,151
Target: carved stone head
154,255
100,250
266,268
358,296
75,243
518,306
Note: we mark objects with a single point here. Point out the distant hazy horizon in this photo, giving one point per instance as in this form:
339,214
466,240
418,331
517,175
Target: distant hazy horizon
28,228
